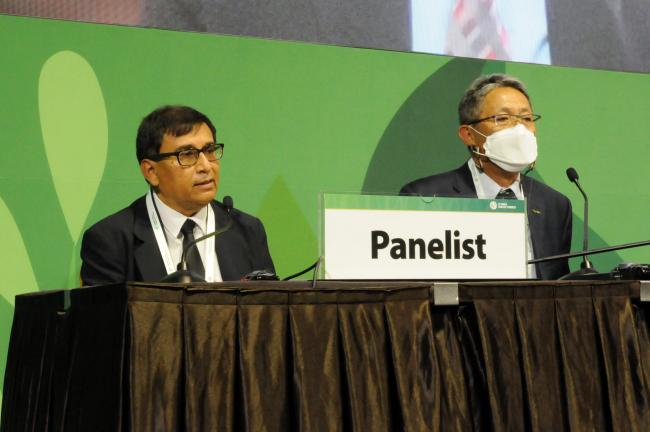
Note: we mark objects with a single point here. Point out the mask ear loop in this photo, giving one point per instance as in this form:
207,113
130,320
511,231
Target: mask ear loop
474,150
477,160
530,168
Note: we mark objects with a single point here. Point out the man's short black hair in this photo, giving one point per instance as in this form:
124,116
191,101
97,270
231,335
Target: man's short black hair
175,120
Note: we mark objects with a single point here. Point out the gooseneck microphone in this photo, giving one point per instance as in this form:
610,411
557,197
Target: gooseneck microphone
572,174
586,268
182,274
228,203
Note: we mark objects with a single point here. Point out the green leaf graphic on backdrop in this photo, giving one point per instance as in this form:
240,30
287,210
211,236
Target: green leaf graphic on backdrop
17,281
75,133
13,255
280,210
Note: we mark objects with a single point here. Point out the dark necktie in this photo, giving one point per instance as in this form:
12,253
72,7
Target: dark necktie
506,194
192,257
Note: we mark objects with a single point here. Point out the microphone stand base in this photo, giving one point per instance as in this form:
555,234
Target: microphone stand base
182,276
586,274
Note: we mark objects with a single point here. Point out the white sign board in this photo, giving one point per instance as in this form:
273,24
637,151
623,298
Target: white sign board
391,237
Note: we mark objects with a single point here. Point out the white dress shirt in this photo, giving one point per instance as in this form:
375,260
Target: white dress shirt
173,221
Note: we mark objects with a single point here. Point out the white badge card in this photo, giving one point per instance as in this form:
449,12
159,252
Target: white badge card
400,237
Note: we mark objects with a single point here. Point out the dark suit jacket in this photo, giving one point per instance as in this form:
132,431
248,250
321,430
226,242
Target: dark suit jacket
122,247
549,213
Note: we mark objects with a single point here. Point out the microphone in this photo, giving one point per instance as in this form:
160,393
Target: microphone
227,202
182,274
586,265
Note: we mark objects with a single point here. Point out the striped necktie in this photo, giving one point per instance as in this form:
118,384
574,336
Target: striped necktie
507,194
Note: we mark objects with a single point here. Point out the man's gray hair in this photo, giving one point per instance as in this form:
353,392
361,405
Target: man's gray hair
469,106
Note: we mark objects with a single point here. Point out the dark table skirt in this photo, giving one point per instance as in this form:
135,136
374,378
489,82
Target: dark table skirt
346,356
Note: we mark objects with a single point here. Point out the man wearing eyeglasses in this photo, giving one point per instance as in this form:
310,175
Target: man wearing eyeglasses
497,124
180,161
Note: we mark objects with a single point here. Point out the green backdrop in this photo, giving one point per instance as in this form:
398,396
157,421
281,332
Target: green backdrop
297,119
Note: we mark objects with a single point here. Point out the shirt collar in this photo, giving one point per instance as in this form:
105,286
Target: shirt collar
492,188
172,220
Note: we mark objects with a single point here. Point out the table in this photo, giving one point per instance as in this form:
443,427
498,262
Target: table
344,356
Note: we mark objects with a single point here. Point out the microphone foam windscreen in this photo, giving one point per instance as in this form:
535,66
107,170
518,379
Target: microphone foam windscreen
572,174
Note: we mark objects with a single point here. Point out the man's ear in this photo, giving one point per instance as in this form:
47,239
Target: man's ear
148,170
466,136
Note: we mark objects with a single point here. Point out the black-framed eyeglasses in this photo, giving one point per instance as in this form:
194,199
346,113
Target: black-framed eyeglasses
509,119
188,157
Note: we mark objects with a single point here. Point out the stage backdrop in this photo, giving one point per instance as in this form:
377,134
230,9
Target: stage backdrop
297,120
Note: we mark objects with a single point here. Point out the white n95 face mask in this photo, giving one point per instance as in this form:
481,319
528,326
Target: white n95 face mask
512,149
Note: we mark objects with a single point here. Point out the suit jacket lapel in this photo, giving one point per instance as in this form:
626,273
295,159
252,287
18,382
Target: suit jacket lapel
534,212
148,260
225,259
463,182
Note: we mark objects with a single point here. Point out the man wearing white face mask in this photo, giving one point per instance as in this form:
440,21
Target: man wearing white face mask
497,124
